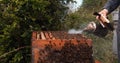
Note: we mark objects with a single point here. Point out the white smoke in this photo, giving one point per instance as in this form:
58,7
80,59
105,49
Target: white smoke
73,31
91,26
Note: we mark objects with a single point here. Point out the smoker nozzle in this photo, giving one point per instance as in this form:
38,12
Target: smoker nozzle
96,29
90,27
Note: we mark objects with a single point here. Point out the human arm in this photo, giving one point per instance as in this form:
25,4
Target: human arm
111,5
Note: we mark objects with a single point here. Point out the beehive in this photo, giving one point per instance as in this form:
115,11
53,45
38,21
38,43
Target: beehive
61,47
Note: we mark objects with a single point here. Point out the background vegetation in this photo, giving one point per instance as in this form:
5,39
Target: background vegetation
18,18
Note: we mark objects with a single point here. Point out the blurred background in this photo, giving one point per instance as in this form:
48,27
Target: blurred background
19,18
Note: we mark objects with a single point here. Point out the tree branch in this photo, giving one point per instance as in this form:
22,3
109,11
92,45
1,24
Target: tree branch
3,55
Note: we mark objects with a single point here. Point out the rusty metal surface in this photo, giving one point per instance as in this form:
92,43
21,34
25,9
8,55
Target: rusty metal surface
50,47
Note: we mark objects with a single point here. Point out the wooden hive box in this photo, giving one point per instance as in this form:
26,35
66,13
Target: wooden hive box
61,47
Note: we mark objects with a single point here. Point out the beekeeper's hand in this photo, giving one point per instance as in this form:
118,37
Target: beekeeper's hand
103,12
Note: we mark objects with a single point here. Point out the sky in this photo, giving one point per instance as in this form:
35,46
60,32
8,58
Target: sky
74,6
79,3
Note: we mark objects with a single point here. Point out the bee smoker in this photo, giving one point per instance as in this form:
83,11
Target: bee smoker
100,29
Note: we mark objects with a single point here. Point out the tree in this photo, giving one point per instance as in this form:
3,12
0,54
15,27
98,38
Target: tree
18,18
92,4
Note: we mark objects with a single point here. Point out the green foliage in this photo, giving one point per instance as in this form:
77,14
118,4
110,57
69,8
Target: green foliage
79,19
93,4
18,18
